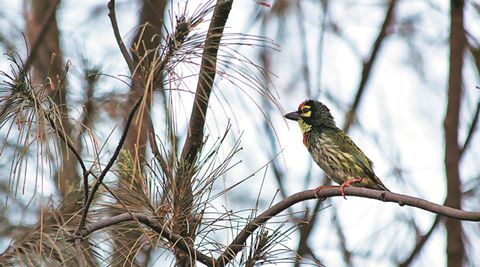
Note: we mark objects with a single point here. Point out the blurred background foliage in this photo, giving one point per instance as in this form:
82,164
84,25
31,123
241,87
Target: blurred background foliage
400,76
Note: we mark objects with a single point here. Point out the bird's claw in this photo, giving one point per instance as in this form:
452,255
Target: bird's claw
346,184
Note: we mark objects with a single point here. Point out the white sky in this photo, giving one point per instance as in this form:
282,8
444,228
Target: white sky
401,113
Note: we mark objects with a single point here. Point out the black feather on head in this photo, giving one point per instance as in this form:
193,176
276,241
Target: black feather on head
320,115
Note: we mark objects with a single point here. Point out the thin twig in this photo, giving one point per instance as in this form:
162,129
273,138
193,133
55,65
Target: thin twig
302,42
67,142
85,172
109,164
154,146
475,51
342,240
50,16
420,243
239,242
473,126
176,240
118,37
367,66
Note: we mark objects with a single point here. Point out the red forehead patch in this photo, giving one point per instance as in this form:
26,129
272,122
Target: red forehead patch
301,105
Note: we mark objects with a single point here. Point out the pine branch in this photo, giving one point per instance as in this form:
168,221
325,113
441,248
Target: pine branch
109,164
176,240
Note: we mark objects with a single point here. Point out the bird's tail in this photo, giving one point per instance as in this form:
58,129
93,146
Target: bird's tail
379,185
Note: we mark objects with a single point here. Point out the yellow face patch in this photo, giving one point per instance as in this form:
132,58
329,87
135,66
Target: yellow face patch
304,127
305,111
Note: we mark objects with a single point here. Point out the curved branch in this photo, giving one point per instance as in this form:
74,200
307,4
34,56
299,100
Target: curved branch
239,242
176,240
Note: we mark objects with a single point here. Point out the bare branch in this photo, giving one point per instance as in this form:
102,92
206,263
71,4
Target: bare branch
473,126
176,240
420,243
72,148
475,51
109,164
239,242
205,80
118,37
367,66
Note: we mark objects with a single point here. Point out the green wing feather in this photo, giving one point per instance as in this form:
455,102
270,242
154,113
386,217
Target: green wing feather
346,145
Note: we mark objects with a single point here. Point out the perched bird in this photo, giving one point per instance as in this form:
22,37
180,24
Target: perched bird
332,149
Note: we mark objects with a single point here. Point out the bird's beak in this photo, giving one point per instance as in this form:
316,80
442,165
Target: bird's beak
294,116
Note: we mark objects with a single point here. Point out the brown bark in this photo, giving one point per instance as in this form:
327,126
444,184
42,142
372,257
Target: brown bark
455,242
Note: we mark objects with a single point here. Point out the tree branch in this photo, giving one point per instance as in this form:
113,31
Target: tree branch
176,240
473,126
367,66
72,148
109,164
205,81
420,243
475,51
118,37
239,242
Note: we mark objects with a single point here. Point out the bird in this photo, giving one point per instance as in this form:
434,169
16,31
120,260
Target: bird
332,149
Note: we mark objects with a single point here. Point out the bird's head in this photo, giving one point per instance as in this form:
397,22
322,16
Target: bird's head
310,114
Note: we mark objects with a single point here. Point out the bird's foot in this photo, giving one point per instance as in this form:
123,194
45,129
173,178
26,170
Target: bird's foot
317,190
347,183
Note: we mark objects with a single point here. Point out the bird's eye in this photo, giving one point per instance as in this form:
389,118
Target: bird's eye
306,111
